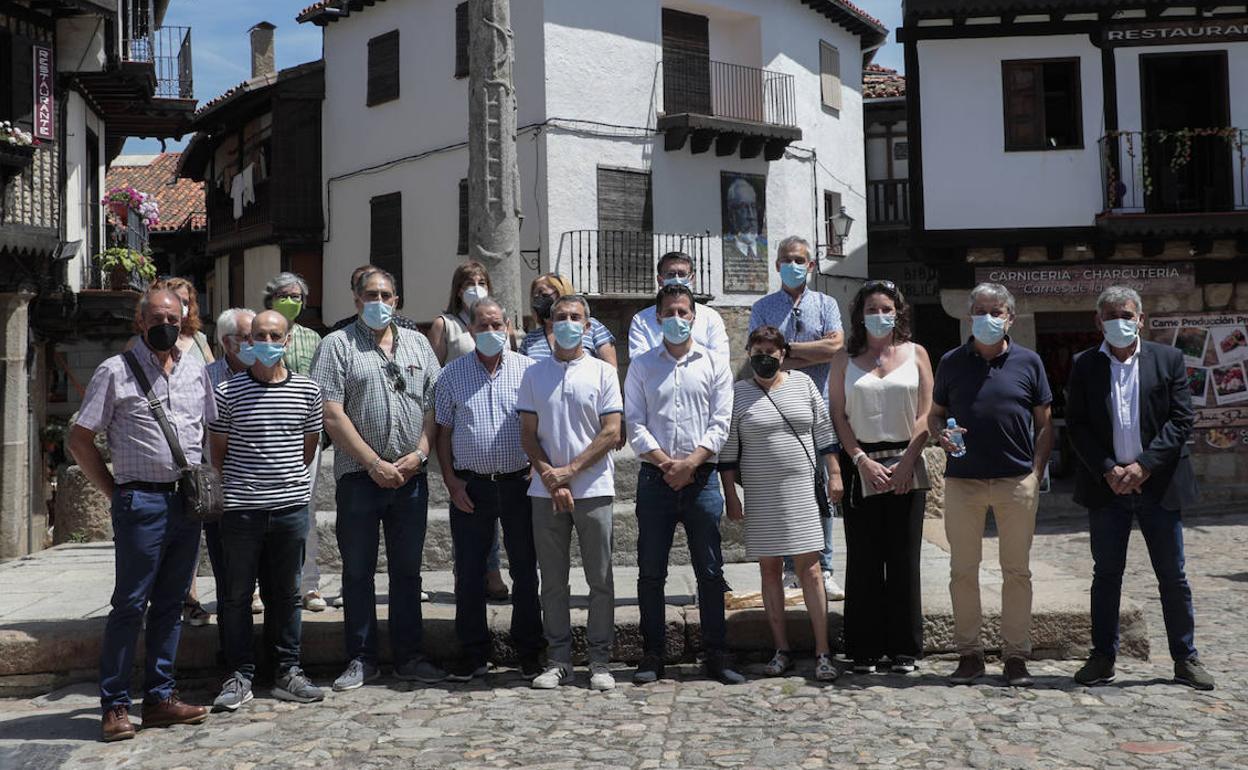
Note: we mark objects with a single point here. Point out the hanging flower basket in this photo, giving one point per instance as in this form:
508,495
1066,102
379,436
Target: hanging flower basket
122,200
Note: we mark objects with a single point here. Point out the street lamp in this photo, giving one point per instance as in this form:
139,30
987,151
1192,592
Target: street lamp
841,224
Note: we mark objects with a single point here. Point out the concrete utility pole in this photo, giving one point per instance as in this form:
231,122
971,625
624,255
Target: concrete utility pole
493,176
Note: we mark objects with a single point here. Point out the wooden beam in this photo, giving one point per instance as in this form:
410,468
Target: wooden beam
726,144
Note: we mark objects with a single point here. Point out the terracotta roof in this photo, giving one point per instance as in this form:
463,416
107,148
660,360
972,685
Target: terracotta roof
882,83
181,200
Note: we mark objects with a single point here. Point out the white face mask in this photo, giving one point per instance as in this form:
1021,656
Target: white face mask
474,294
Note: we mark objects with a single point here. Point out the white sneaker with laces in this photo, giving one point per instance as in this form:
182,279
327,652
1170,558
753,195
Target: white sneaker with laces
790,580
551,678
600,677
833,590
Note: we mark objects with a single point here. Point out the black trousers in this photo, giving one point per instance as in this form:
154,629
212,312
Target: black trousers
883,591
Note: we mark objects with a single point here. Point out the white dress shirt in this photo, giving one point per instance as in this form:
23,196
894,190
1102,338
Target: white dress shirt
678,405
1124,391
645,333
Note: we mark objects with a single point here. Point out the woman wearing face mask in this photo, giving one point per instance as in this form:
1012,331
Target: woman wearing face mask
449,333
538,343
880,392
780,430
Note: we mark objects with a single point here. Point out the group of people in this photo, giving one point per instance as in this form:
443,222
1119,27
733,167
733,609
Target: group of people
524,429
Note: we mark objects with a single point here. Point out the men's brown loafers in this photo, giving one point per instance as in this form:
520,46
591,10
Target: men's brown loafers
116,725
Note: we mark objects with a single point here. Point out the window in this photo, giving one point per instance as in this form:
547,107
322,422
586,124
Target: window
832,207
686,63
385,248
462,39
462,248
830,75
625,220
383,68
1042,105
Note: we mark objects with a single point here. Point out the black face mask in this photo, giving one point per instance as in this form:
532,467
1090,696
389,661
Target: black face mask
542,305
162,337
764,366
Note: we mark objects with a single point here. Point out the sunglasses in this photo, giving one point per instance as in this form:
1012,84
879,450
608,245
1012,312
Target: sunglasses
885,285
397,380
798,328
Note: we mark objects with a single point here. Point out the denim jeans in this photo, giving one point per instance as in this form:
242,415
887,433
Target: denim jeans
505,501
698,507
272,542
157,550
403,513
1110,528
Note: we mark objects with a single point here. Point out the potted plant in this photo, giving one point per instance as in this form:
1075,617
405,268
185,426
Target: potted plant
120,201
119,263
17,147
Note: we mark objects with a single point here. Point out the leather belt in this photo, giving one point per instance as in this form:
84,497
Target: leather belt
509,476
150,486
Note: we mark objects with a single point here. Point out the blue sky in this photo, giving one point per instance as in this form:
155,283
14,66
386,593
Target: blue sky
221,49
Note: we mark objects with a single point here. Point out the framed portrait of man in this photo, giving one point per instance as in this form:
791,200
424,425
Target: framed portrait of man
743,209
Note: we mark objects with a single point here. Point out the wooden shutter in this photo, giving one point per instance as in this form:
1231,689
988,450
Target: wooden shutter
830,75
831,207
462,248
462,39
1024,104
625,221
686,63
386,235
624,201
383,68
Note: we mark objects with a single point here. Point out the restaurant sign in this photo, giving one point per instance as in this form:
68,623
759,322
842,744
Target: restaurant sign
1090,280
1177,32
45,95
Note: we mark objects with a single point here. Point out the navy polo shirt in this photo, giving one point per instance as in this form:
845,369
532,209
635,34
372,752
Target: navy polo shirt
993,400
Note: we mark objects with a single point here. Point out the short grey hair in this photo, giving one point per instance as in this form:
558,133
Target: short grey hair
145,301
792,242
567,299
992,291
1117,296
281,281
227,322
488,302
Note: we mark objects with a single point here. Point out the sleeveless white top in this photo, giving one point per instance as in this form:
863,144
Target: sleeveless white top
883,408
459,341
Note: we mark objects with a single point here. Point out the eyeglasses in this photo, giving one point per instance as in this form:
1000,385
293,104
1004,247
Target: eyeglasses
397,380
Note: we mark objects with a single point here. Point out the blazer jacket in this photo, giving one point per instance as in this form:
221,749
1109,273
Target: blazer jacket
1166,418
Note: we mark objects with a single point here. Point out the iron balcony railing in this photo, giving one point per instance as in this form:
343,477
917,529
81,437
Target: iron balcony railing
699,86
1197,170
888,203
622,262
167,49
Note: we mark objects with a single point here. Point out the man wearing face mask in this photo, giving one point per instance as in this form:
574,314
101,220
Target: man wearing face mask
645,332
487,475
811,322
268,425
998,392
1129,413
678,406
157,545
378,384
400,320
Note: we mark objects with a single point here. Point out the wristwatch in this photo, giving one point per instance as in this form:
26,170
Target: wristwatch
424,458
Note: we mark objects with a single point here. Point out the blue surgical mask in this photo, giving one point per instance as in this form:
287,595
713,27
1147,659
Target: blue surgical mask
490,344
880,324
792,274
676,330
1121,332
377,315
988,329
568,333
268,353
246,353
474,294
678,280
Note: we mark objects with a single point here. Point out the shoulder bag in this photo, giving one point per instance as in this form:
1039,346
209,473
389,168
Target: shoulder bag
203,497
821,488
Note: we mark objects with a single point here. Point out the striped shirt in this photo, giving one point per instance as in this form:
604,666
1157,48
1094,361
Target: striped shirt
386,404
814,316
480,410
266,423
301,349
536,346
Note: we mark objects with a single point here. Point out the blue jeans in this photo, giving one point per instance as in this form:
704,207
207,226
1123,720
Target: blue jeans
1110,528
506,501
157,550
698,507
403,512
272,542
825,555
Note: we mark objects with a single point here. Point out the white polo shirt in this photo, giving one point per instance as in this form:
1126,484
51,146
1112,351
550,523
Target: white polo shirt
645,333
570,399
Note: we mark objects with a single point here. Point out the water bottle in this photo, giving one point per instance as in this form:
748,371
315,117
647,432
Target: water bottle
956,438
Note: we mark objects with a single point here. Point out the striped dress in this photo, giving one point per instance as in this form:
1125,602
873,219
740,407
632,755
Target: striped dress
781,513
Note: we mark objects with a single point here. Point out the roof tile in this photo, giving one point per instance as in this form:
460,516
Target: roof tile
181,200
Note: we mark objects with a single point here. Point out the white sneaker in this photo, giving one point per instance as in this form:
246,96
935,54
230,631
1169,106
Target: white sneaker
790,579
424,596
833,590
314,602
600,677
337,602
551,678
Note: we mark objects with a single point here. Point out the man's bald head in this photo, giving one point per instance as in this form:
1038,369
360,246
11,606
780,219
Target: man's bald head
270,326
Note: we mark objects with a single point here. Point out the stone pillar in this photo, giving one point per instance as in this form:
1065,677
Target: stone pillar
15,448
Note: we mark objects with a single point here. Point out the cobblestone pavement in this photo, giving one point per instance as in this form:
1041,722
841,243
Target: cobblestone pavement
881,721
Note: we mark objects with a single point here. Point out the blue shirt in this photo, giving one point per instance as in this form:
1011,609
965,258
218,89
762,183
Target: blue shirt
480,410
993,400
813,317
537,347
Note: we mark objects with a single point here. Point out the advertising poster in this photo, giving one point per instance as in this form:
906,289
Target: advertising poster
1215,349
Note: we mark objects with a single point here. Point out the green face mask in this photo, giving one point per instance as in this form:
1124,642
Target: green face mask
289,308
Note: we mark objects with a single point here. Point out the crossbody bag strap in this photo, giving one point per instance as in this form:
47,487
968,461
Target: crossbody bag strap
158,410
792,430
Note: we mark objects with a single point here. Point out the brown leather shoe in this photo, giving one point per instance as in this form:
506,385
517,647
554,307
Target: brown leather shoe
970,668
1016,673
172,711
116,725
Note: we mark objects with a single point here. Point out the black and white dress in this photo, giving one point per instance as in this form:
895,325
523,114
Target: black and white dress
781,513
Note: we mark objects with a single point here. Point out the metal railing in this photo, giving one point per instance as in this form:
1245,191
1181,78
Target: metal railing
623,262
888,202
167,49
1199,170
699,86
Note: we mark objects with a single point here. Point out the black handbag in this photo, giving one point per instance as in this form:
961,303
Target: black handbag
203,496
821,486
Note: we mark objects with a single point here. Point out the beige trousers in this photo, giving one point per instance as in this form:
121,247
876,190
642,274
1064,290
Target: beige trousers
1013,502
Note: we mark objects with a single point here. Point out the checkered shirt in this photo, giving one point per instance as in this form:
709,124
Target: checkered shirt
300,350
114,403
481,411
351,370
816,315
